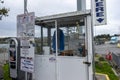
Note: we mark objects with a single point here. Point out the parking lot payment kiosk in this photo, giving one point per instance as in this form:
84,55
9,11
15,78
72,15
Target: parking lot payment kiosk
14,60
66,53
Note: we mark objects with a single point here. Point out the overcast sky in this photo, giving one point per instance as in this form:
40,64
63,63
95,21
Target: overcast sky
49,7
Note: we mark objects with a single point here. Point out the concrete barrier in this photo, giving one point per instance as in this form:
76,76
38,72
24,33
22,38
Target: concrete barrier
100,76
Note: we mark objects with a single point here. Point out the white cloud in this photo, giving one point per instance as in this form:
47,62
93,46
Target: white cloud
108,29
47,7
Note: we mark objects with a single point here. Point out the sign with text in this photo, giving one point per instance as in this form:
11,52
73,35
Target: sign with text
26,32
27,65
25,25
99,12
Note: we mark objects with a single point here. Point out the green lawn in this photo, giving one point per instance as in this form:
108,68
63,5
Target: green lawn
6,72
105,68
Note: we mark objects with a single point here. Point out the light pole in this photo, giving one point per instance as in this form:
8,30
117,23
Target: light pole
25,12
81,5
25,6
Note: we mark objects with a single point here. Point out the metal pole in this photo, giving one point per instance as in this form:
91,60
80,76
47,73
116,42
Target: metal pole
25,6
25,75
92,26
41,39
25,71
25,11
56,65
81,5
56,38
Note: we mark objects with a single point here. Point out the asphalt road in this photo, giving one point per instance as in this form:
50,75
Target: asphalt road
104,48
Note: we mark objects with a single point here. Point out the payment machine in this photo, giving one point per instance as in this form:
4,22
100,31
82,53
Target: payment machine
14,60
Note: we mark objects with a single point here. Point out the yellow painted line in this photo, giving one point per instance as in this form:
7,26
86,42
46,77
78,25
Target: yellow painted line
104,75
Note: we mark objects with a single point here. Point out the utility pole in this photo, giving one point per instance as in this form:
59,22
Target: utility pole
25,6
81,5
25,12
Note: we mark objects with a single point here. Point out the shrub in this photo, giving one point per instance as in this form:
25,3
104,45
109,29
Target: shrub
101,59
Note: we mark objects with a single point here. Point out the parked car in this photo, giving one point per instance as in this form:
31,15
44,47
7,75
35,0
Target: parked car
114,40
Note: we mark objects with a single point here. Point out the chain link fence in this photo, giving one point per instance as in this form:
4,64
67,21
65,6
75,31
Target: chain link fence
116,62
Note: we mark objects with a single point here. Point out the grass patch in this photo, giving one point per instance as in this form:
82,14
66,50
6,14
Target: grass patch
6,72
105,68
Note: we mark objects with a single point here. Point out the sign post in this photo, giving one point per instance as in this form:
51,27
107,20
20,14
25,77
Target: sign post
26,32
99,12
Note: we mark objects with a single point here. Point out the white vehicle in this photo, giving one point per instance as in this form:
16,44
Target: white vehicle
114,40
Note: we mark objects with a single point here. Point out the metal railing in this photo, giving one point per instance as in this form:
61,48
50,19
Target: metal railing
116,59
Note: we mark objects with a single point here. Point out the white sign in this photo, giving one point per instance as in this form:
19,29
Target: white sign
28,51
99,12
27,58
25,25
26,32
27,65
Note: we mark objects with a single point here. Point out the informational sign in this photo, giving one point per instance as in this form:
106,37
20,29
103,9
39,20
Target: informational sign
26,32
25,25
27,64
99,12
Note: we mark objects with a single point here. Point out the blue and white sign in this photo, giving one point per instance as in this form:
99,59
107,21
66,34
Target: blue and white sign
99,12
27,65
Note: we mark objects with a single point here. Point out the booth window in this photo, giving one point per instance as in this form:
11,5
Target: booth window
74,42
71,37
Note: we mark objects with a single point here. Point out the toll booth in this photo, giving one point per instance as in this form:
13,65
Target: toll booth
64,50
14,60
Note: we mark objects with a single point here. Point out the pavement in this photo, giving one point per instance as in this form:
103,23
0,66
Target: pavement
101,76
98,75
104,48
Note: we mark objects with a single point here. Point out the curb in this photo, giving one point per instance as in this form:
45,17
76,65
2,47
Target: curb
103,75
115,72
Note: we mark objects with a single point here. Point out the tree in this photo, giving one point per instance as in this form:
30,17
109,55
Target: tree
3,11
103,36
